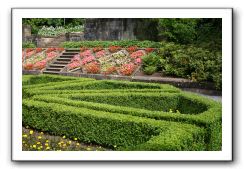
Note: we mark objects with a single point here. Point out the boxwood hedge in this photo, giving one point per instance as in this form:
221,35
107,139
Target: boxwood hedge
125,115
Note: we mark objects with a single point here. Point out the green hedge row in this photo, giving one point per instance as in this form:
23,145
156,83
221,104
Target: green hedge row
210,119
106,44
149,101
113,130
131,99
39,79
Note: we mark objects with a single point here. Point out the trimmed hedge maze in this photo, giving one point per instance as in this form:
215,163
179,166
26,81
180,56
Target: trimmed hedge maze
122,115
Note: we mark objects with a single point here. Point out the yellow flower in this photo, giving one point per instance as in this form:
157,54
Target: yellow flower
39,137
59,143
64,145
23,142
64,136
47,148
27,127
47,141
69,142
46,144
42,133
75,139
88,149
24,135
38,142
39,148
34,146
31,131
77,144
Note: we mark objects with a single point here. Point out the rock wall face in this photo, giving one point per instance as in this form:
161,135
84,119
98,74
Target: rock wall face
109,29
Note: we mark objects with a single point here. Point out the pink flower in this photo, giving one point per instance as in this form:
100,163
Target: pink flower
138,60
100,53
137,54
86,53
76,58
73,65
87,59
41,64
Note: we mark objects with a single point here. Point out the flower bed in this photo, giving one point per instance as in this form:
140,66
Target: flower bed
114,60
37,59
123,115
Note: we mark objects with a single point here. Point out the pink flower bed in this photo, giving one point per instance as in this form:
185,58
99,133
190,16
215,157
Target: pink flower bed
41,64
137,54
75,62
138,61
87,59
86,53
100,53
73,65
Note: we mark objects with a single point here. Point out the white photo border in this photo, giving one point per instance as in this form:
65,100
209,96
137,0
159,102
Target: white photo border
224,155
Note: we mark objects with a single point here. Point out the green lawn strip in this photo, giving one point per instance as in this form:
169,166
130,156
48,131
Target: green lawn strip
97,126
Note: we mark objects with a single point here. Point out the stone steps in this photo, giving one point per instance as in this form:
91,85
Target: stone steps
59,63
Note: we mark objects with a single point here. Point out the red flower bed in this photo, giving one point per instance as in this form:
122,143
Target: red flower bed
127,69
38,50
82,49
148,50
50,50
113,49
92,67
132,49
60,49
28,66
137,54
97,49
110,70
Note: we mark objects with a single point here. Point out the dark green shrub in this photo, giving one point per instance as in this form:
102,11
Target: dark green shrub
150,63
191,62
28,45
149,70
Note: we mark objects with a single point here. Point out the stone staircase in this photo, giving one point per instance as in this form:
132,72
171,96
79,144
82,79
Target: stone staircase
60,62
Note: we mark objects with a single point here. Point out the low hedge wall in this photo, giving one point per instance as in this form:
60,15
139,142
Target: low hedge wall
113,130
149,109
106,44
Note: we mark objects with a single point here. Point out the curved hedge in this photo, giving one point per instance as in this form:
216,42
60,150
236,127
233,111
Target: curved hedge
122,115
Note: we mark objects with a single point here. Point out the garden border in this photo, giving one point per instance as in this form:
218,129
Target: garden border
178,82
